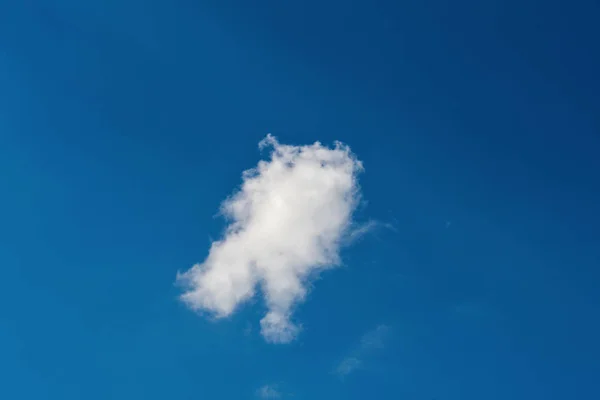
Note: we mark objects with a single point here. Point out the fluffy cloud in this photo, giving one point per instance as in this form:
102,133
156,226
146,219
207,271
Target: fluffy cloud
286,222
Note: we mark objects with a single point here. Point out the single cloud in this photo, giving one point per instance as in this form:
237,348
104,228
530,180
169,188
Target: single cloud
370,342
268,392
286,222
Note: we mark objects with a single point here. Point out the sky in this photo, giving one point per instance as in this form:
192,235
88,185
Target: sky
299,200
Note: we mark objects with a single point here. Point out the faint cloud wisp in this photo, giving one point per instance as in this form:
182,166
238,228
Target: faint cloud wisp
268,392
347,365
371,342
366,228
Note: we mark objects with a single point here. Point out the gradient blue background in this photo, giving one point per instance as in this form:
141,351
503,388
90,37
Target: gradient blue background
123,124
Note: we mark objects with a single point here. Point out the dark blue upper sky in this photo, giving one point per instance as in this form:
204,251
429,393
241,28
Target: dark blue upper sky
124,124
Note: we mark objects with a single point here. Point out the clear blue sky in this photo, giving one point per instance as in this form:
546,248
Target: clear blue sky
124,124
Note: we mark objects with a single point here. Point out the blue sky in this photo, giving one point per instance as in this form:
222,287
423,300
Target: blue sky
125,124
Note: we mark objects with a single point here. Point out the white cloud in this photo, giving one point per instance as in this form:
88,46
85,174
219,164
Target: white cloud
268,392
286,222
370,342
